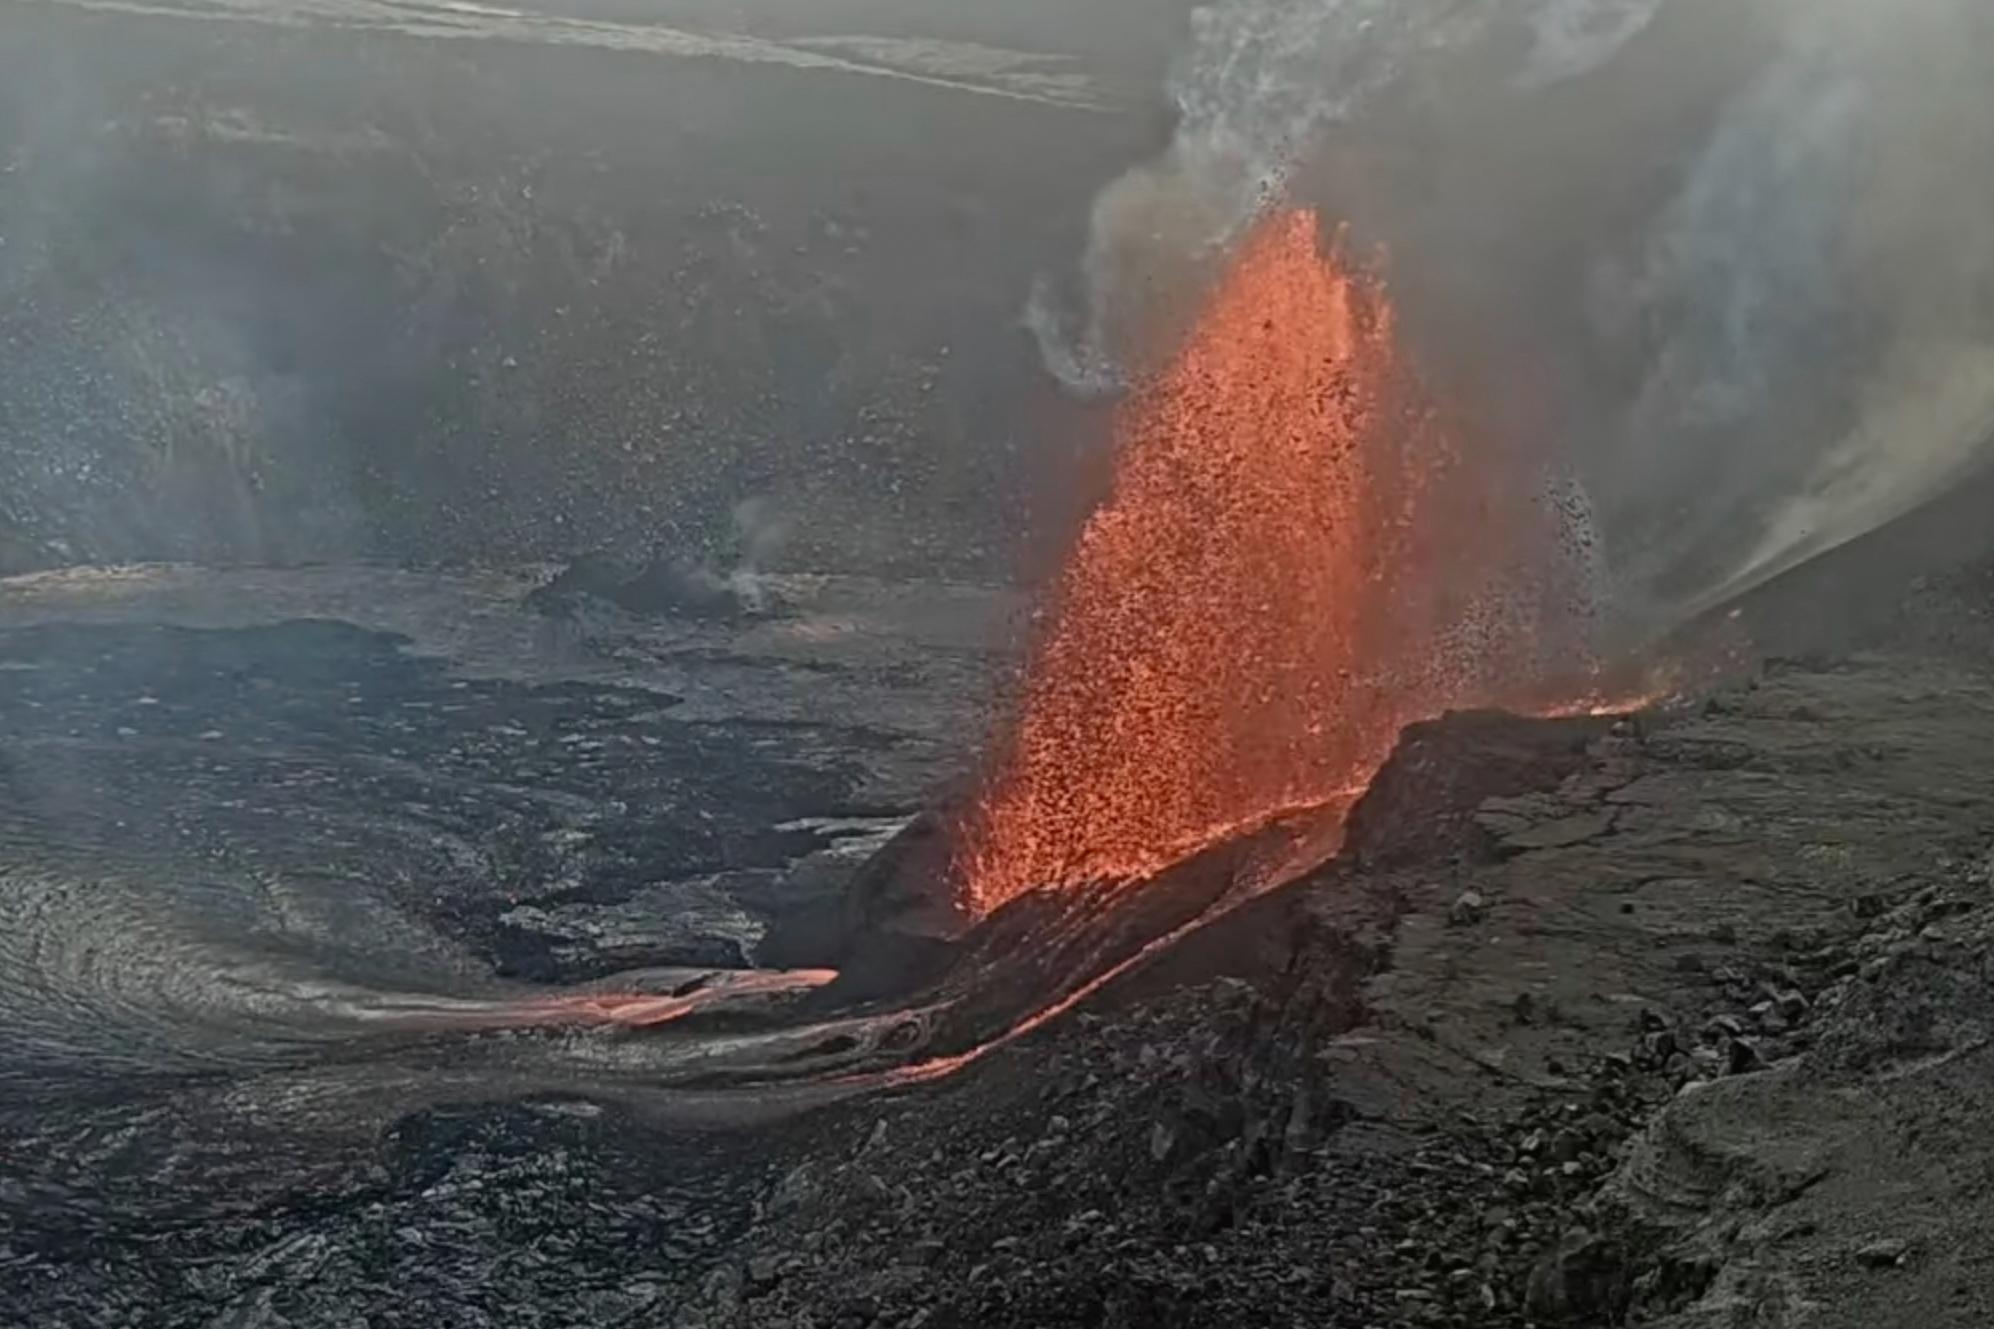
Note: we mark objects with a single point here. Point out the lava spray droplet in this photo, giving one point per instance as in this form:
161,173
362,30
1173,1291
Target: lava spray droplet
1291,565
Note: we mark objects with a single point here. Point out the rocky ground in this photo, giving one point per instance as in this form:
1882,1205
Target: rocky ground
1695,1032
243,815
1681,1019
573,793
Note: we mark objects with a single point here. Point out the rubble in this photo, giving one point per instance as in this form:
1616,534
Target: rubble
1454,1142
1722,1061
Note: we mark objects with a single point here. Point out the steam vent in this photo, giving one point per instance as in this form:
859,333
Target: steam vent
1266,664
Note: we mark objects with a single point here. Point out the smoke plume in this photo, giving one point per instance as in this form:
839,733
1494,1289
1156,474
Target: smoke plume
760,535
1721,268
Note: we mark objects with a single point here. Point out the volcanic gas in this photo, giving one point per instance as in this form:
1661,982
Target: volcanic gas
1294,560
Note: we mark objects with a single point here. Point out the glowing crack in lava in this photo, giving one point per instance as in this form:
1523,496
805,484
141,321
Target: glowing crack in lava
1291,565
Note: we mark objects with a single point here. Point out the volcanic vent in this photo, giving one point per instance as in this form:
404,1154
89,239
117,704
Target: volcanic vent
1298,557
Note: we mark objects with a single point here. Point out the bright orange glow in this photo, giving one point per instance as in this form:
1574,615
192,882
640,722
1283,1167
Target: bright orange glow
1292,564
641,1010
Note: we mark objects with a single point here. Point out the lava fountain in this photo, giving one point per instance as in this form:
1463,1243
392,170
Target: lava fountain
1298,556
1292,563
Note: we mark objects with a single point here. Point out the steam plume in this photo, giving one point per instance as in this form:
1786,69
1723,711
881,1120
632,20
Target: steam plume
1261,85
761,533
1828,359
1724,268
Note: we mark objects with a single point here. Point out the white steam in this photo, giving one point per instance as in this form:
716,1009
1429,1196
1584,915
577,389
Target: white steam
760,533
1578,36
1821,283
1262,83
1738,255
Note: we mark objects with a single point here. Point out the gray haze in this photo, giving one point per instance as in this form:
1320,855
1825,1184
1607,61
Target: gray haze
441,281
1727,263
446,281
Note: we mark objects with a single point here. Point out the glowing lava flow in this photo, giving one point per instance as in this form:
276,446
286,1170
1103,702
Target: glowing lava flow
639,1010
1289,568
611,1007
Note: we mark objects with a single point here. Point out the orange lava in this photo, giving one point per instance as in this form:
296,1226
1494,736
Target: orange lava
642,1010
1291,565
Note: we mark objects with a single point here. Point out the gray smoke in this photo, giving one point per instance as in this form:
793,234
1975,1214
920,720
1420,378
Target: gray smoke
1263,83
1826,356
1727,263
761,533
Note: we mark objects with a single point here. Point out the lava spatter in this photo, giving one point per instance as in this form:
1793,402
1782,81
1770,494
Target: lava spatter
1292,563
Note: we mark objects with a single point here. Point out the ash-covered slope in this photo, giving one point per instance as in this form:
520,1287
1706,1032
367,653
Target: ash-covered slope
1690,1029
1676,1021
445,282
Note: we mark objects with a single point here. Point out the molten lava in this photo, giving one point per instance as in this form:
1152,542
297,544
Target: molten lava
1291,565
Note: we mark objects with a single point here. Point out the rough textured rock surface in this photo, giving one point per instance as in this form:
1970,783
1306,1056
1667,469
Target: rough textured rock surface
1681,1020
1710,1051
